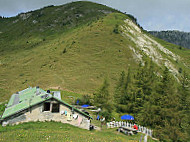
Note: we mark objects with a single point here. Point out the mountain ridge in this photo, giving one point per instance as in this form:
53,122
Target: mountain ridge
176,37
19,39
78,45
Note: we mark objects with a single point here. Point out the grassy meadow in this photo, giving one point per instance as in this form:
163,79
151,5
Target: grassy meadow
74,48
55,131
72,61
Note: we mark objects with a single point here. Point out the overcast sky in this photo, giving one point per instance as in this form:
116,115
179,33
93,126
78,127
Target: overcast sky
151,14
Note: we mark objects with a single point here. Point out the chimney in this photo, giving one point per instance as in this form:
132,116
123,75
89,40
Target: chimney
37,90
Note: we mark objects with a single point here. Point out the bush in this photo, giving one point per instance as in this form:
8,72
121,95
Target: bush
2,108
180,70
85,99
64,51
116,30
106,114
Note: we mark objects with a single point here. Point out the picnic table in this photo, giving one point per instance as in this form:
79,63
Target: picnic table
127,130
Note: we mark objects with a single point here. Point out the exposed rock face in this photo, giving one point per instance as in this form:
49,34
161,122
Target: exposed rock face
144,45
34,21
25,16
15,21
105,11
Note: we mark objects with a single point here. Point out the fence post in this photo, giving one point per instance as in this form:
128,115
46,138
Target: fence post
142,129
107,124
139,128
125,124
151,132
111,123
130,125
148,132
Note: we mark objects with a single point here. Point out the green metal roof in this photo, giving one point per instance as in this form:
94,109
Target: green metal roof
11,100
28,98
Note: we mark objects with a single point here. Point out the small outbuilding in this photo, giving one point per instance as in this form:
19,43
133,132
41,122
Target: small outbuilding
35,104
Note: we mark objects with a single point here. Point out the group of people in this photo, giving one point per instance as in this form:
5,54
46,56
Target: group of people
100,118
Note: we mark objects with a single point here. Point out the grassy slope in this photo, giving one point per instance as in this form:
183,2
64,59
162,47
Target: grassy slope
29,56
94,52
55,131
183,53
52,131
33,54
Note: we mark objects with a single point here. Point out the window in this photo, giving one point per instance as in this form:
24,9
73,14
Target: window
55,108
46,106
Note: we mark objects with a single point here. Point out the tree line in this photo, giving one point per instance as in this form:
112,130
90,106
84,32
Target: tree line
176,37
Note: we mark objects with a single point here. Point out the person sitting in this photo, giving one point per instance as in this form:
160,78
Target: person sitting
135,127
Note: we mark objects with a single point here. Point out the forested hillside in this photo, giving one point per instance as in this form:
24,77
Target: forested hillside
156,102
176,37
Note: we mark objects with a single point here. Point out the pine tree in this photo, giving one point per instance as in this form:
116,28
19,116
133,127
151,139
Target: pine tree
119,88
183,91
104,100
144,84
123,93
169,127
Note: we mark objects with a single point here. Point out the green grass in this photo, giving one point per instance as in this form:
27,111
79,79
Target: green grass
76,57
2,108
69,53
81,69
54,131
183,53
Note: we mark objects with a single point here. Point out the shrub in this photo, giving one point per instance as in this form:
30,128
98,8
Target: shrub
64,51
116,30
180,70
85,99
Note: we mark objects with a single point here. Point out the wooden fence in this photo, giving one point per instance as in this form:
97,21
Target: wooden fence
141,129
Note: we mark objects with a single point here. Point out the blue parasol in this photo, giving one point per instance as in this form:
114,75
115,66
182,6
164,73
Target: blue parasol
77,102
127,117
85,106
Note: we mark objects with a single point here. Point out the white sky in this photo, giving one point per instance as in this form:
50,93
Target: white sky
151,14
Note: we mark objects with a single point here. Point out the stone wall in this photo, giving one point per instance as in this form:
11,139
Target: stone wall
36,113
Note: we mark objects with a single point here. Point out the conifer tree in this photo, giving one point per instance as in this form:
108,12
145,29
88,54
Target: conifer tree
184,94
104,100
169,125
119,88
